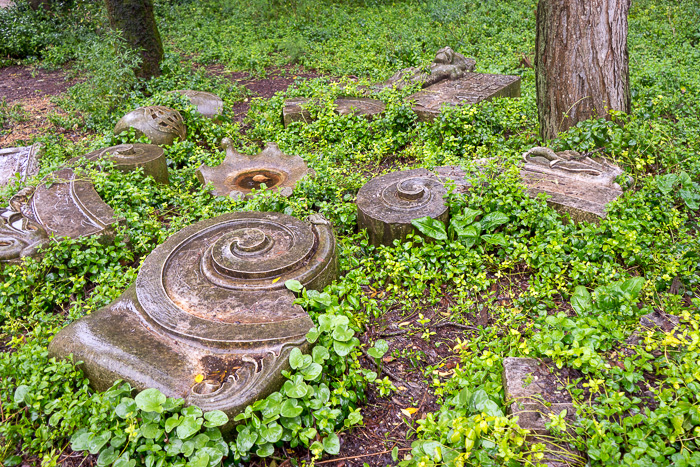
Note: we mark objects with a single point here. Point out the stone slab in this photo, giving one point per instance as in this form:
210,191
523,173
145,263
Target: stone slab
471,88
295,110
20,160
656,321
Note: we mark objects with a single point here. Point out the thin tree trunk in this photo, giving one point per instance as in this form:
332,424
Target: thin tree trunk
581,62
137,22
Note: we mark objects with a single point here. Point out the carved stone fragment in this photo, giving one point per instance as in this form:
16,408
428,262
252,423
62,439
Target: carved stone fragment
386,205
62,205
535,394
577,185
161,125
295,110
239,174
448,65
470,88
208,104
21,160
128,157
210,301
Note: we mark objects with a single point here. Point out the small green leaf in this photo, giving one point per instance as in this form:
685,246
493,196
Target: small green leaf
633,286
296,358
581,300
380,348
215,418
107,457
492,220
172,422
265,450
430,227
666,182
291,408
331,444
98,441
21,393
150,400
320,354
343,333
188,427
312,371
126,407
272,433
150,430
313,335
294,285
246,439
343,348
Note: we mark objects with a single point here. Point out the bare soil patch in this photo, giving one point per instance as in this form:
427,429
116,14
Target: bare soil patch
23,82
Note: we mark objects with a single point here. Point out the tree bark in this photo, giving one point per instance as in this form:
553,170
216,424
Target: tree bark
135,19
581,62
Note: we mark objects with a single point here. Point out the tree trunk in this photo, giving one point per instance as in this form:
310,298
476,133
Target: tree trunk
138,24
581,62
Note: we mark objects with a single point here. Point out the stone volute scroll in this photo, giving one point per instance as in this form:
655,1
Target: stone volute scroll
162,125
386,205
238,175
209,318
62,205
128,157
577,184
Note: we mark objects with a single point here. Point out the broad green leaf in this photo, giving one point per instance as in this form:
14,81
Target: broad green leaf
495,239
21,393
187,448
97,442
380,348
313,335
150,400
291,408
312,371
343,348
272,433
191,410
320,354
215,418
188,427
691,198
215,455
80,441
172,422
493,220
633,286
246,439
294,285
666,182
200,459
331,444
343,333
107,457
581,300
126,407
430,227
150,430
296,358
265,450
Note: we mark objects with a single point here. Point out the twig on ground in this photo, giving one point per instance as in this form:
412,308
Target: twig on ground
361,455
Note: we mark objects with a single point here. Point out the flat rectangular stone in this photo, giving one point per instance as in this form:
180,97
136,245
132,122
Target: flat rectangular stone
470,89
21,160
295,110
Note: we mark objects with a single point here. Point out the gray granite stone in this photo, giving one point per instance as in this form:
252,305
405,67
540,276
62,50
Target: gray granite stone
386,205
210,301
470,88
20,161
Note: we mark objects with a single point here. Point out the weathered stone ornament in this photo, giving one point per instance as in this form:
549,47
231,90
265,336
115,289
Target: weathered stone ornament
62,205
161,125
21,160
386,205
470,88
208,104
239,174
577,185
295,110
447,65
210,301
128,157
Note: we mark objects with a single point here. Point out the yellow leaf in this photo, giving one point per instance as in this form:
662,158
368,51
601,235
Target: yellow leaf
199,378
408,411
276,279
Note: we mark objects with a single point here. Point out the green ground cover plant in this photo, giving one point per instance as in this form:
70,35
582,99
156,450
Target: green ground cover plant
574,292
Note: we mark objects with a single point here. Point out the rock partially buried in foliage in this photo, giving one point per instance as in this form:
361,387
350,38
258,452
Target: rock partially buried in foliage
129,157
386,205
447,65
161,125
576,184
20,162
238,175
295,110
62,205
208,104
471,88
209,318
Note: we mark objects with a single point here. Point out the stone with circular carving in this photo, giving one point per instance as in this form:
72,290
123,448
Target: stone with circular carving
238,175
386,205
209,318
161,125
128,157
208,104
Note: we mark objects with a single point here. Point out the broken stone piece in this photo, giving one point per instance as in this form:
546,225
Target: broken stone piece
386,205
295,109
209,303
161,125
62,205
470,88
576,184
208,104
656,320
238,175
128,157
22,161
534,395
447,65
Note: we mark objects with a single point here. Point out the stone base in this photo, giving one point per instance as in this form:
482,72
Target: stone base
471,89
21,160
294,110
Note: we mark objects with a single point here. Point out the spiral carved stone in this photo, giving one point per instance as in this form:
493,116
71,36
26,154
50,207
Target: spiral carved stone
128,157
386,205
161,125
210,301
